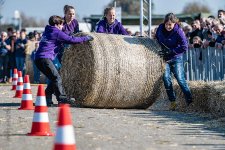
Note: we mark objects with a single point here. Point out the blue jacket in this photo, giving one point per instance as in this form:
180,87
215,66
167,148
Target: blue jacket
73,27
32,56
3,50
115,28
52,40
175,40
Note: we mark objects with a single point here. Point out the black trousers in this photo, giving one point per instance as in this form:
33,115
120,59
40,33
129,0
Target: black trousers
47,67
4,60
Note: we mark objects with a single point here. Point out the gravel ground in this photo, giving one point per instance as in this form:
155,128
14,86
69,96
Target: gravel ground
110,129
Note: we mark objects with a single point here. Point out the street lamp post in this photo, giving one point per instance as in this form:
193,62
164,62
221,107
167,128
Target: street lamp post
17,17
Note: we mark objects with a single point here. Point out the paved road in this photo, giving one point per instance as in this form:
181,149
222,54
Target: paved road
113,129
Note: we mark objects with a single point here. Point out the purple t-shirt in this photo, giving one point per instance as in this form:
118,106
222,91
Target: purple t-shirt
73,27
115,28
52,40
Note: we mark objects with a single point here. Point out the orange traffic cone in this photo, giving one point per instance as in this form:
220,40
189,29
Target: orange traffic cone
19,86
15,78
40,125
65,138
27,101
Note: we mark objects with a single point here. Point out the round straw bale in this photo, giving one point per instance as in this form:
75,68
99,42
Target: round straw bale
113,71
29,64
207,97
200,93
217,98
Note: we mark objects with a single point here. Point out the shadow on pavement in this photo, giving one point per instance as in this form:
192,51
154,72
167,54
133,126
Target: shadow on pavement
6,135
9,104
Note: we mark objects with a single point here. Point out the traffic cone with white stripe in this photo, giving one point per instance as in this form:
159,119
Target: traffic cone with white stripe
19,86
65,138
27,101
40,125
14,80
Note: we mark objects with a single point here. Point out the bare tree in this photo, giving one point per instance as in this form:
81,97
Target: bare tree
31,21
195,7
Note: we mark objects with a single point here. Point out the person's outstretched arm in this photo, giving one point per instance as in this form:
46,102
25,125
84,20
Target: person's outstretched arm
63,37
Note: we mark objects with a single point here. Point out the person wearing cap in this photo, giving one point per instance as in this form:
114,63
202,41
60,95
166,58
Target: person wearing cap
51,41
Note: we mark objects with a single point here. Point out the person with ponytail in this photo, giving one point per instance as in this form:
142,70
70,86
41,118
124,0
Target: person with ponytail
70,24
109,24
173,43
70,27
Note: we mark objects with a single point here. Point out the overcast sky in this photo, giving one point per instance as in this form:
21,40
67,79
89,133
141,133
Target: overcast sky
45,8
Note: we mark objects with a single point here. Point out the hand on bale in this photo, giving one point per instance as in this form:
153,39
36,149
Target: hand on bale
165,52
89,38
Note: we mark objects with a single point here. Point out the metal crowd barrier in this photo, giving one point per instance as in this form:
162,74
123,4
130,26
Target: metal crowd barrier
204,64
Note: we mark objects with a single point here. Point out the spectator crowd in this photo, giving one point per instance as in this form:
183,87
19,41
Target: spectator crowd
14,49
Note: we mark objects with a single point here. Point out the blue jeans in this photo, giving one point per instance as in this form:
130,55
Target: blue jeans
20,64
176,67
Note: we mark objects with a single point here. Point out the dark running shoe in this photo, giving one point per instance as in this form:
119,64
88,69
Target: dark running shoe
49,102
71,101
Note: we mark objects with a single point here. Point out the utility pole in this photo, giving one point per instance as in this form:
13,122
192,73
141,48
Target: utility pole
17,18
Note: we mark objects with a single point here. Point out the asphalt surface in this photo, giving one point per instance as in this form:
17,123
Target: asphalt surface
113,129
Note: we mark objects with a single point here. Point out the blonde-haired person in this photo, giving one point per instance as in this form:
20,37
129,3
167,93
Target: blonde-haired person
109,24
187,31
